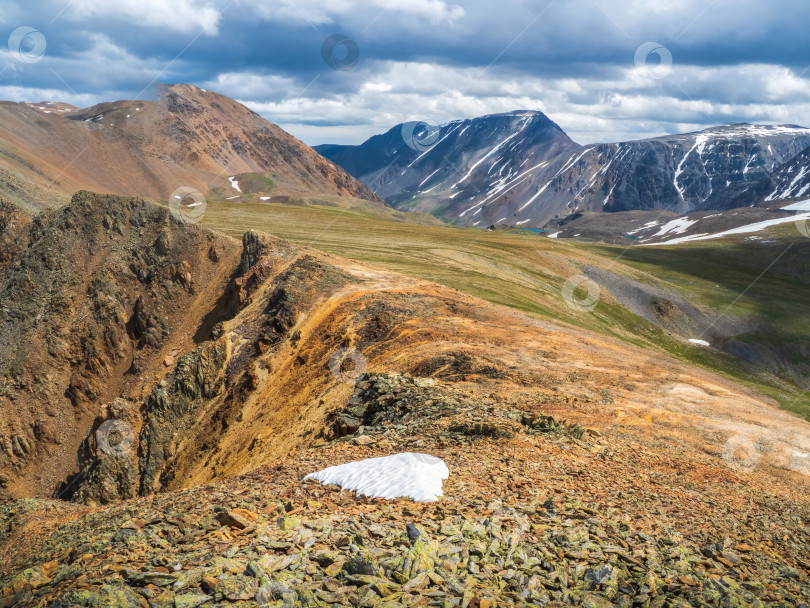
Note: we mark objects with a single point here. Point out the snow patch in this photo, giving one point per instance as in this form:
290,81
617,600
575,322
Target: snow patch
234,183
798,206
676,226
644,227
700,342
408,474
801,217
428,177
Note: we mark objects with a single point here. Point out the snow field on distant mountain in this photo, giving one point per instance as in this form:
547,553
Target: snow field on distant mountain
521,168
407,474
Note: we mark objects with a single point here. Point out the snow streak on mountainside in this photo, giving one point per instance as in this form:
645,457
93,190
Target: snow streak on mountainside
792,180
473,163
521,168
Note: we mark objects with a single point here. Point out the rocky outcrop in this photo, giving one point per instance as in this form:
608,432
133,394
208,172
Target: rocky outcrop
14,226
171,408
108,462
85,306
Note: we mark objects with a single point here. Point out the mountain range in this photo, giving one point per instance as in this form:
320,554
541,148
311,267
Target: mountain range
520,168
612,426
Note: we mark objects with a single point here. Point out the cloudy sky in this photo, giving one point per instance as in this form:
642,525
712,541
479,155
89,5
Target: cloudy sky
342,70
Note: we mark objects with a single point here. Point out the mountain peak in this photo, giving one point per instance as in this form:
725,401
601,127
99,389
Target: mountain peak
187,137
462,160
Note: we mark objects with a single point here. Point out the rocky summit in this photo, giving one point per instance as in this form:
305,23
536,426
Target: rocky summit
166,390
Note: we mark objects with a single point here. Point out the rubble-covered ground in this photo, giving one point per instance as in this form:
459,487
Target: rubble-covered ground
537,511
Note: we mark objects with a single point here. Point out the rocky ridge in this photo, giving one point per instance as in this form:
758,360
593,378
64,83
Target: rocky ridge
180,385
530,517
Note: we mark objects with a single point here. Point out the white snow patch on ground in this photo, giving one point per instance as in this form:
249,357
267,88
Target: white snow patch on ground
416,476
701,342
676,226
798,206
265,198
553,236
234,183
800,217
645,226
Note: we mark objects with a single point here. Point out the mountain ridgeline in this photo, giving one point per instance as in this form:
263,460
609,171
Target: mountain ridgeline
521,168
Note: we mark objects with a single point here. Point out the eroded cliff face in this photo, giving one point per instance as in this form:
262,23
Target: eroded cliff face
92,297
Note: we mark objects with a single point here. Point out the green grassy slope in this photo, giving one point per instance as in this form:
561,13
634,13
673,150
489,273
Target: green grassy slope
527,272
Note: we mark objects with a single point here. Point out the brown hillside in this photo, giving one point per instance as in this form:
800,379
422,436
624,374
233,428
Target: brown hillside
190,137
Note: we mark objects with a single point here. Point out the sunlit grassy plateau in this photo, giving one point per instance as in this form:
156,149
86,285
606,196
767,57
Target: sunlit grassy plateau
765,282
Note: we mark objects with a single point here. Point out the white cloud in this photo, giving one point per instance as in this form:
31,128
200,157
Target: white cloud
426,60
34,94
177,15
435,11
619,106
106,69
318,12
253,86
